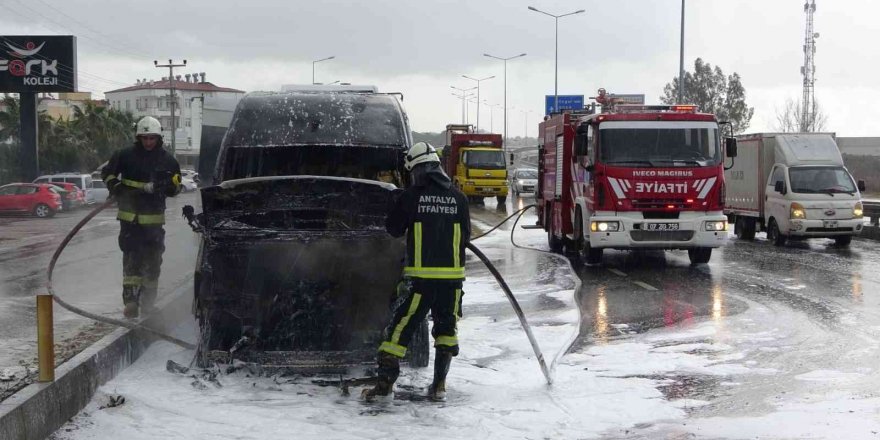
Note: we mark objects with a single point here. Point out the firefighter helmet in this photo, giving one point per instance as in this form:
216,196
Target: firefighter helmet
148,125
421,152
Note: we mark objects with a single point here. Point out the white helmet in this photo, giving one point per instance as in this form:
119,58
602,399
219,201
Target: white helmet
148,125
421,152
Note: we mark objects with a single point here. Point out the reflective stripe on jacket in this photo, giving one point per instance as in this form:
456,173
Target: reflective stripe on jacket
133,168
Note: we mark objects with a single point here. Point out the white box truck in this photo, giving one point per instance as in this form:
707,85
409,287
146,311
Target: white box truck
793,186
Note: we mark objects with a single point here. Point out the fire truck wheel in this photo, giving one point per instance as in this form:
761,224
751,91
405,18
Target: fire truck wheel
700,255
555,244
773,234
592,255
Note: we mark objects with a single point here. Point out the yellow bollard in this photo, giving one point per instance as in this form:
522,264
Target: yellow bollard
45,338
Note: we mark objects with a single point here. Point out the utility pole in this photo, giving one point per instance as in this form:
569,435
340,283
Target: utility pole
171,67
505,60
478,96
681,60
808,103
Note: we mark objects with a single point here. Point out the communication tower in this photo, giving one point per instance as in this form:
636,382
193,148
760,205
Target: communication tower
808,71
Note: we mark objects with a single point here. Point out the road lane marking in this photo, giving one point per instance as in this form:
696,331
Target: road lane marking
616,272
646,286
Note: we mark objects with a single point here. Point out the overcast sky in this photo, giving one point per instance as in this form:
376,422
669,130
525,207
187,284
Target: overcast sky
421,48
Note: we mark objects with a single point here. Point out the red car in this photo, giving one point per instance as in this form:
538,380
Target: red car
73,197
36,198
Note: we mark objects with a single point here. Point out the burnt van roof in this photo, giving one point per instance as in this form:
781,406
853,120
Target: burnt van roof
266,119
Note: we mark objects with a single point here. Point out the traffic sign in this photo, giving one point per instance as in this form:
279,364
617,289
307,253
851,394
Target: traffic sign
566,102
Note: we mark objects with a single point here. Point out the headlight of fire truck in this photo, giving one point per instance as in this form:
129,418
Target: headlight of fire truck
716,226
604,226
858,211
797,211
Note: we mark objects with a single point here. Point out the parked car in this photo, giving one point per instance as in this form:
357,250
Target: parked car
100,191
38,199
83,181
72,197
524,180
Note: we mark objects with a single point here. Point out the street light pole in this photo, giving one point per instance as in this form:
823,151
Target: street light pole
463,97
316,62
556,68
681,60
478,95
505,60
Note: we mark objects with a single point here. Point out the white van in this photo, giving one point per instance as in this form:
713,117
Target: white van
794,186
83,181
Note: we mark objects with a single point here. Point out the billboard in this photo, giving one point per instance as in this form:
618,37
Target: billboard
566,102
630,98
37,63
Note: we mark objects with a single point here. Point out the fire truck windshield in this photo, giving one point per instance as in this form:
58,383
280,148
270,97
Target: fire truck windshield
658,144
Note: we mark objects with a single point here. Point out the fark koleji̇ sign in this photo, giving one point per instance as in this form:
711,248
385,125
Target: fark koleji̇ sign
34,63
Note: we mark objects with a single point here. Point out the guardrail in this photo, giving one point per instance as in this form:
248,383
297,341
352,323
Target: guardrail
872,210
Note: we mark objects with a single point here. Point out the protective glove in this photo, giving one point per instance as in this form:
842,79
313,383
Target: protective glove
149,187
115,187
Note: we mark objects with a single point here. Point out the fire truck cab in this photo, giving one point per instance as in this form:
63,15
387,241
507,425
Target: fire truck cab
632,177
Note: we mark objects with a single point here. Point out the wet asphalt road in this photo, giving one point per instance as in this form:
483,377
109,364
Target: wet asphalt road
88,274
794,311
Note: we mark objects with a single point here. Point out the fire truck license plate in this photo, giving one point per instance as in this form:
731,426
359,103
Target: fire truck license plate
662,226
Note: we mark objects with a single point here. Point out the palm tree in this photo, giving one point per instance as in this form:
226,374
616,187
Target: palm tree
10,120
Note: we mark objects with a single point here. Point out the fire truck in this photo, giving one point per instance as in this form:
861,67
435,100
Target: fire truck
632,177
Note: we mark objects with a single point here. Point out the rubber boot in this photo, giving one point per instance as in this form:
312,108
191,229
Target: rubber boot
442,361
130,297
148,298
388,371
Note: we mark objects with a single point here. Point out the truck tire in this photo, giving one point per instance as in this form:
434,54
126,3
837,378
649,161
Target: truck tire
773,234
843,240
744,228
418,352
700,255
501,200
592,256
556,244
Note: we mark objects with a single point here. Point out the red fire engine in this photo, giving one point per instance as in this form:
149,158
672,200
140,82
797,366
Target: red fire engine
632,177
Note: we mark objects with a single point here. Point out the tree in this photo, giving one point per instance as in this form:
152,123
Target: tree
713,92
10,120
789,119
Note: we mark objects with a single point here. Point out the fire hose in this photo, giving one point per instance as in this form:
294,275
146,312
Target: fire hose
135,326
58,299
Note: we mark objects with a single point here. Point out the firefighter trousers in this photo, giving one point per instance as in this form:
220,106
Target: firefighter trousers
142,248
442,299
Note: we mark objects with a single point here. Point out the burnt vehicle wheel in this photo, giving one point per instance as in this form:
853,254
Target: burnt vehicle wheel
417,353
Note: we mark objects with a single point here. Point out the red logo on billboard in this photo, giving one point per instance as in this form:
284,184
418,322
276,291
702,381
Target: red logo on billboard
30,49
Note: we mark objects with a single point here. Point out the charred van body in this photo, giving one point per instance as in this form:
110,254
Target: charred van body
295,268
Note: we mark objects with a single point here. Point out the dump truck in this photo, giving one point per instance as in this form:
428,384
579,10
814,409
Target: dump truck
295,270
475,162
793,186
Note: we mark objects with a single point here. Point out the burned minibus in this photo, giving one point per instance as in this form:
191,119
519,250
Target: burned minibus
295,269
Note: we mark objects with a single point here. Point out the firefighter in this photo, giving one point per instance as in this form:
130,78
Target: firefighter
434,216
140,178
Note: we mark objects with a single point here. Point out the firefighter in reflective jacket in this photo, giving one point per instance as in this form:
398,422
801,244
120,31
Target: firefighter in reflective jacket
434,216
140,178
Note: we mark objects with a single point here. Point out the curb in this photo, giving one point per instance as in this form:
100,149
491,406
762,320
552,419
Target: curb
40,409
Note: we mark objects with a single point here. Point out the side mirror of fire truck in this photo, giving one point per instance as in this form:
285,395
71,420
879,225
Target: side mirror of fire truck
580,144
730,146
